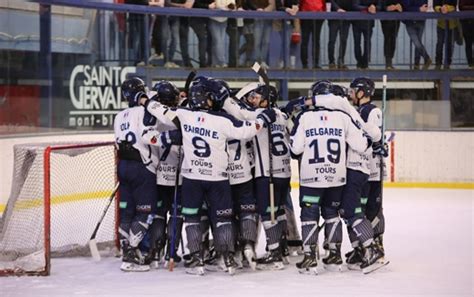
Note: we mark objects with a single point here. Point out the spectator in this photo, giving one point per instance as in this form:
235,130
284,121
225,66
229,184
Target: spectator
217,27
415,31
234,31
164,39
290,7
338,27
262,30
444,32
362,27
248,31
467,29
313,28
390,32
183,29
136,31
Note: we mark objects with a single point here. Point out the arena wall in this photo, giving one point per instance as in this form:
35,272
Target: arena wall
420,159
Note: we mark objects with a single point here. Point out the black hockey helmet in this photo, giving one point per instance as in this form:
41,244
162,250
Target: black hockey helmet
338,90
320,87
130,88
206,90
166,93
270,91
364,84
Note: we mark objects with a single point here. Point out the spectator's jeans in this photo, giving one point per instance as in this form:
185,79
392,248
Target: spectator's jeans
360,28
234,38
343,28
468,33
310,28
390,32
170,35
262,30
218,33
183,40
440,44
137,38
415,31
290,47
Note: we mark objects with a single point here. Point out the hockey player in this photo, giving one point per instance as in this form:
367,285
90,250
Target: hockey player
205,132
136,172
361,91
320,136
263,97
169,159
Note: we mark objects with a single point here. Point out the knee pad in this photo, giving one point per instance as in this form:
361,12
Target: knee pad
329,212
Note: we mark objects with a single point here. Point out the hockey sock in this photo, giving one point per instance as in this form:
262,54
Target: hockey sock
378,224
363,230
352,237
157,232
333,232
124,229
193,234
248,228
138,229
273,234
293,234
309,230
224,237
282,221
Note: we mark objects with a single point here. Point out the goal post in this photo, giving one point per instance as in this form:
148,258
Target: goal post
59,192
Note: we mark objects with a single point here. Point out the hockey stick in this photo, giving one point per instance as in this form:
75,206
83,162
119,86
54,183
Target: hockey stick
187,84
384,105
175,212
263,74
92,242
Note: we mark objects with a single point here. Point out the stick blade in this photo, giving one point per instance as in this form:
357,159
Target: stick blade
256,67
94,250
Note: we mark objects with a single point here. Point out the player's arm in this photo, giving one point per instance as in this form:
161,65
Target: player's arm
297,137
164,114
239,111
238,129
356,138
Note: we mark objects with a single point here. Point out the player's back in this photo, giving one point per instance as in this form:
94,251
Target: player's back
321,136
205,135
129,125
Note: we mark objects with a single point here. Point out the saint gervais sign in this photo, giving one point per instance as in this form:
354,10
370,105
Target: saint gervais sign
95,94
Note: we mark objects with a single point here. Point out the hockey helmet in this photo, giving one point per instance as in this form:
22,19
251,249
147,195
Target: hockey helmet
166,93
130,88
320,87
364,84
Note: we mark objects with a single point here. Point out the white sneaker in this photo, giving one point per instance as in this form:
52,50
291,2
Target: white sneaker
171,65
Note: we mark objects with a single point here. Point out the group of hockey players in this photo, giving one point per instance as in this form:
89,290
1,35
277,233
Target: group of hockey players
216,161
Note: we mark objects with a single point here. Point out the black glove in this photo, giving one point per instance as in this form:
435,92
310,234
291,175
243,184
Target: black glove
172,137
379,149
268,116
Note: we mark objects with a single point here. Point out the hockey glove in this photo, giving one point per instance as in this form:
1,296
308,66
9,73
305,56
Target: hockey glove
268,116
379,149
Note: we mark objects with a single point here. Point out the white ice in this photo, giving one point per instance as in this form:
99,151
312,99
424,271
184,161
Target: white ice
429,241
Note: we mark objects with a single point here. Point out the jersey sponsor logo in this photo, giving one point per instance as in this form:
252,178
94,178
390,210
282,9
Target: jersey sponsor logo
309,180
201,163
143,208
236,175
224,212
326,170
95,94
205,171
235,167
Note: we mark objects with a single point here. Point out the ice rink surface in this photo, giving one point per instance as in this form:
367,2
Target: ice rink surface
429,240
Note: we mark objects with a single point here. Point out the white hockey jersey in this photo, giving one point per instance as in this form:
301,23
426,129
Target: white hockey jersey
281,158
205,136
321,137
334,102
373,116
129,125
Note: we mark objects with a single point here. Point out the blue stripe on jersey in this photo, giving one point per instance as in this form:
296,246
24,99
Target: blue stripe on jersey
148,119
259,154
365,110
237,123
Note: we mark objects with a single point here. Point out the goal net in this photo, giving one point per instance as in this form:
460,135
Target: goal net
58,195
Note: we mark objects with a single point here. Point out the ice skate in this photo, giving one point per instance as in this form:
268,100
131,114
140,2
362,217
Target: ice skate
354,259
372,259
271,261
133,261
333,261
195,265
309,263
229,263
